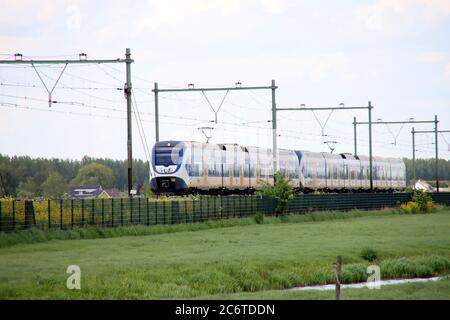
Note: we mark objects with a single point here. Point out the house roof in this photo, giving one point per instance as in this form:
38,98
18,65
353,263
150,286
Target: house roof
114,193
88,191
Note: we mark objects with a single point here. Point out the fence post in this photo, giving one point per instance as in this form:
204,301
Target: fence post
164,212
0,215
240,206
201,208
103,212
14,214
93,212
148,211
208,207
338,272
121,212
193,210
61,213
156,212
139,210
48,214
175,206
29,214
82,213
185,212
130,201
112,212
71,212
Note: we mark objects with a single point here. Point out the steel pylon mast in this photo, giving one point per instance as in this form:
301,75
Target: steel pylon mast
435,121
18,59
369,108
238,87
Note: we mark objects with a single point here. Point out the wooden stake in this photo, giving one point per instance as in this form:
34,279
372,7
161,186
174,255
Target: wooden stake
338,272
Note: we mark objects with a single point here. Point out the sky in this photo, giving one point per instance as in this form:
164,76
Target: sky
394,53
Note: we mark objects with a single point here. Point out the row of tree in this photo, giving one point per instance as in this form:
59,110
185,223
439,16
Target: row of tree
26,177
426,170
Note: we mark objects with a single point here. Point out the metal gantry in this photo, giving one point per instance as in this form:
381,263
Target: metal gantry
369,107
436,132
83,60
238,87
435,121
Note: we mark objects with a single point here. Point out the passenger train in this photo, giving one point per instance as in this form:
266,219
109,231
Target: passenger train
183,167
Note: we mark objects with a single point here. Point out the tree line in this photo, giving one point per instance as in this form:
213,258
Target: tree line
23,176
426,170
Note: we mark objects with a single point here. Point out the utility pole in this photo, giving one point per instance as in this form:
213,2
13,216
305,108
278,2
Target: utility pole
370,123
128,87
370,147
436,132
156,112
18,59
238,87
369,107
414,155
354,135
437,150
274,130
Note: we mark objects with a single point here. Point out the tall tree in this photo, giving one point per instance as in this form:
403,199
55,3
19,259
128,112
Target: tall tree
54,186
94,173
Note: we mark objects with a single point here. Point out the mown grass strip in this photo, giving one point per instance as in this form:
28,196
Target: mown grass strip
35,235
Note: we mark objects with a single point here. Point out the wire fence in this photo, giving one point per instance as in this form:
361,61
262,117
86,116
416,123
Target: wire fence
70,213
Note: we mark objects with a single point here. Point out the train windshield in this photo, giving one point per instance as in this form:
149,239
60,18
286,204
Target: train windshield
168,153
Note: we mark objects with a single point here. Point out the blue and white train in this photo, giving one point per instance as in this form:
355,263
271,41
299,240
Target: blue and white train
182,167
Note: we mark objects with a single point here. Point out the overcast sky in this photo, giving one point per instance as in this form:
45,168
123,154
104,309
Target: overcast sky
321,53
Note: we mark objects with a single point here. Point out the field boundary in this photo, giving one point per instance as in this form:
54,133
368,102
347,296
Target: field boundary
67,214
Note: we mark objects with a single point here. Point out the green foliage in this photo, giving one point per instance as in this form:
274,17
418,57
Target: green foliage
259,218
280,190
425,169
28,188
93,174
421,202
146,191
54,186
31,173
369,254
423,199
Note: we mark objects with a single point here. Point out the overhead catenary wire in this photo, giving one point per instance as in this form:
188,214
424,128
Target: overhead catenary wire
141,128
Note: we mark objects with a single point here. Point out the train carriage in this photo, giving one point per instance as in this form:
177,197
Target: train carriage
180,167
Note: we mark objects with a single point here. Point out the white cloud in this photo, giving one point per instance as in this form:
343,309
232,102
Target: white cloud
289,67
22,12
390,16
170,12
433,56
447,69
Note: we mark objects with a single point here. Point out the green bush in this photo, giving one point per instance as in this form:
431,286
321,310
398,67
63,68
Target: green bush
369,254
421,202
259,218
280,190
423,199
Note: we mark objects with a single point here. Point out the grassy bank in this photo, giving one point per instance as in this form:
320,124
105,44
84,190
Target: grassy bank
36,235
439,290
218,261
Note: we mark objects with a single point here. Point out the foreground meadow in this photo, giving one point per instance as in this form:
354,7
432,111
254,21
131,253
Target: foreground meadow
242,261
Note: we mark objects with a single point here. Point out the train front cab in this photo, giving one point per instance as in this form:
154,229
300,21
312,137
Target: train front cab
168,171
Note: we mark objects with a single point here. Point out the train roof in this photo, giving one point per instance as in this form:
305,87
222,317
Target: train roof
299,153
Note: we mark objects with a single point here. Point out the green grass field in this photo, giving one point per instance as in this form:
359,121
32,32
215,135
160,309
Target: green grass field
242,261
